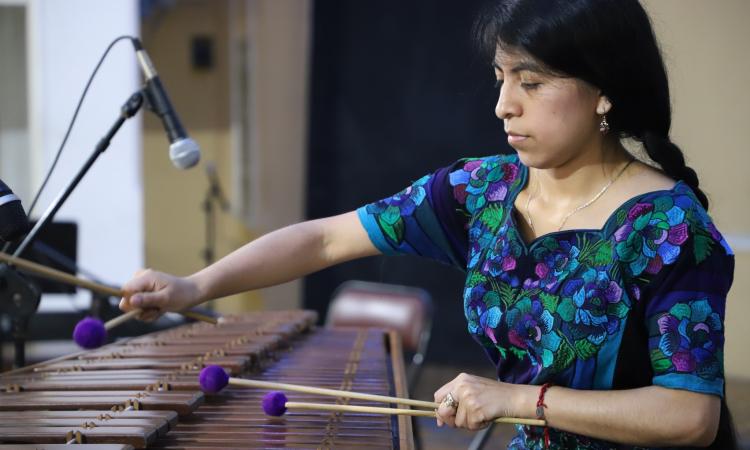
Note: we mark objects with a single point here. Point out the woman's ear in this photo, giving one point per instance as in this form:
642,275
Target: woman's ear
603,105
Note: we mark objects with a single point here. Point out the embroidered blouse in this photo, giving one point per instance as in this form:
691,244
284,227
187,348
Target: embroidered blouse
638,302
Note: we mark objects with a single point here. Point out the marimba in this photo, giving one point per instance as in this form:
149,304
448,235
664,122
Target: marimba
144,392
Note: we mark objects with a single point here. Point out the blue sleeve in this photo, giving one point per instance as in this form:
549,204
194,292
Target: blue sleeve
414,221
431,217
682,268
685,322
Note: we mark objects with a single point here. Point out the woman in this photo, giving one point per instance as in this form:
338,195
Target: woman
596,282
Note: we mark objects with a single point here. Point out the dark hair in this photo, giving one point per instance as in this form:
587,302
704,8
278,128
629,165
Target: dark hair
611,45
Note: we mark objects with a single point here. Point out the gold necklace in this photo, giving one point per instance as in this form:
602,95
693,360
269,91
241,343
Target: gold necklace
578,208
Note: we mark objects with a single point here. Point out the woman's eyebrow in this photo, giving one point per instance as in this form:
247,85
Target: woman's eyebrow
522,66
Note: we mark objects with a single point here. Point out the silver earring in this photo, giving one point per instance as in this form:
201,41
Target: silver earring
604,125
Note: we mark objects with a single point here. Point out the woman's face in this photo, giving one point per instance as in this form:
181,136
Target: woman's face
549,119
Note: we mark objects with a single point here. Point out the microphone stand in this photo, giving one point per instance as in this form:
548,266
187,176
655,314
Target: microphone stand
213,193
18,296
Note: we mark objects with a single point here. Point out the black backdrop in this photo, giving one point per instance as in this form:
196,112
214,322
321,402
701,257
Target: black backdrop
397,91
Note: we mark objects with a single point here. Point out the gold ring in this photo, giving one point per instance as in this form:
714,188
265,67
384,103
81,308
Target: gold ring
449,401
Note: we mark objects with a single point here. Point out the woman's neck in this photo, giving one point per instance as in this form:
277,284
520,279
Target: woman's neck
579,178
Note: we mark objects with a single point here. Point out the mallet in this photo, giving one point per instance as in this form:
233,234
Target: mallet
275,403
89,332
213,379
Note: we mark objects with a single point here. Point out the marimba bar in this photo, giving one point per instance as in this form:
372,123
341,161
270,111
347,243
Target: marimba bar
144,392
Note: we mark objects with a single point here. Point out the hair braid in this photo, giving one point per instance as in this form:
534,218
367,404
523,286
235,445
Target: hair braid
669,156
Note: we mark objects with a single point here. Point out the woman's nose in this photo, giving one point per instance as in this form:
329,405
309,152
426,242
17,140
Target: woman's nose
507,105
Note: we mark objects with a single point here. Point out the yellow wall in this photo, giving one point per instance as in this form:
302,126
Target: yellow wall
173,198
275,34
705,47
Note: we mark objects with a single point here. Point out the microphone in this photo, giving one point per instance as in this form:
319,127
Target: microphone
13,220
183,151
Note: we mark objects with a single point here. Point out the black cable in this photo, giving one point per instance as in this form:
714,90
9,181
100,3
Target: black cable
72,121
8,244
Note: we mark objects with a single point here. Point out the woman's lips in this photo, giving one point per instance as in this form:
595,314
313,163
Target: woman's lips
516,138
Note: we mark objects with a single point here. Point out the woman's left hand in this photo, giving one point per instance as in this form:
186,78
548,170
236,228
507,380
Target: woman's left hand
477,401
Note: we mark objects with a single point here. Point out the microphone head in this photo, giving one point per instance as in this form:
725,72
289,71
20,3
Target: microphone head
184,153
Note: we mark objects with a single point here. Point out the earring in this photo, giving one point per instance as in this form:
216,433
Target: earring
604,125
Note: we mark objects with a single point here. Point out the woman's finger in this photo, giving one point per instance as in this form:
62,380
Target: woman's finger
149,315
446,411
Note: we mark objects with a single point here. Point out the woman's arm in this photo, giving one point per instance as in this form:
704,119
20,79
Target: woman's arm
648,416
274,258
286,254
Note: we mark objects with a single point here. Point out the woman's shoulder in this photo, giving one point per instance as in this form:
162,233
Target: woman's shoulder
644,179
654,227
480,181
479,165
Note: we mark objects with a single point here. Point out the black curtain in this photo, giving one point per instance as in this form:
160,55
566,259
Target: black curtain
397,91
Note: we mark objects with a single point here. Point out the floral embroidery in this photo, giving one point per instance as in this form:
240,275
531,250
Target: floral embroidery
592,306
565,312
481,181
531,328
688,339
651,233
483,312
390,212
500,259
651,236
557,259
532,438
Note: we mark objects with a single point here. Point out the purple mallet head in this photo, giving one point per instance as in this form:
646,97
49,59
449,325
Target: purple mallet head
90,333
274,403
213,379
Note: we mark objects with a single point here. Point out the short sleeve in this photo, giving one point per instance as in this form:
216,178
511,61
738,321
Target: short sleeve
685,321
424,219
682,268
432,216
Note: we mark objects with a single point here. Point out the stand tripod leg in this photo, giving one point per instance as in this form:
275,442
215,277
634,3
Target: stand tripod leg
20,333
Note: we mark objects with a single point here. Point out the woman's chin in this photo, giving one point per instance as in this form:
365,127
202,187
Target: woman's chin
530,159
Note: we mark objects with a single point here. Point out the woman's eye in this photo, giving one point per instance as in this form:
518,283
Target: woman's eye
530,86
499,83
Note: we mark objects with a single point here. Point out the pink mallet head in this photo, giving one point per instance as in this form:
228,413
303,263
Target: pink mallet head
213,379
274,403
90,333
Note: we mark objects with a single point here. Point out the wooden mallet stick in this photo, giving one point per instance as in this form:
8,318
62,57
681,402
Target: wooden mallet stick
52,274
275,404
213,379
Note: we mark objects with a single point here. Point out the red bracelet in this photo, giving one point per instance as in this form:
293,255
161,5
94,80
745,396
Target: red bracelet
540,411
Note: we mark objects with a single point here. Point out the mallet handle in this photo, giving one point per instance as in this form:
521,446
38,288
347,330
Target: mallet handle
397,411
52,274
121,318
331,392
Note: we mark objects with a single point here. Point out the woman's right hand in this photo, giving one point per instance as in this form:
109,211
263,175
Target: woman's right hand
157,292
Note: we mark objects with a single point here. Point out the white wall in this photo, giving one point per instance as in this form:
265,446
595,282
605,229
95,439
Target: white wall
14,139
65,40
